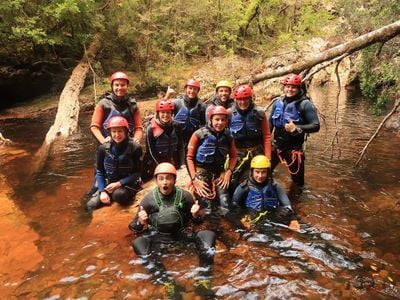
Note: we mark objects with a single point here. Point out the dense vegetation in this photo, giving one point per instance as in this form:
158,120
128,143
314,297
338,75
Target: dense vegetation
146,35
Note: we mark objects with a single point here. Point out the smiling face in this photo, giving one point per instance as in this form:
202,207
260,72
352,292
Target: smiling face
165,116
243,103
223,93
192,91
260,175
118,134
219,122
165,183
290,90
120,87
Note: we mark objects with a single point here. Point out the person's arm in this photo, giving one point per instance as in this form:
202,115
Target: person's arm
191,155
151,143
181,150
270,120
100,171
239,196
310,118
97,123
141,219
282,196
138,127
266,137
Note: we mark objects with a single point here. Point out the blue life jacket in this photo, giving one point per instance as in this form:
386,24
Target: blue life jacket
189,119
262,199
213,148
112,108
246,128
283,113
116,165
166,146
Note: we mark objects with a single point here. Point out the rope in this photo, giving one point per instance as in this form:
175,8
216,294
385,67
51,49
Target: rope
296,156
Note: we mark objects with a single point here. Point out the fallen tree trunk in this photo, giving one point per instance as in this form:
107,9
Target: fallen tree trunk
66,121
380,35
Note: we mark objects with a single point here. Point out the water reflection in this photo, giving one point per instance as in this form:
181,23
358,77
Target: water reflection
349,220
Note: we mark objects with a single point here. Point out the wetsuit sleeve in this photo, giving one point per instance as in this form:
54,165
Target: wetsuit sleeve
282,196
203,118
233,156
266,137
191,154
97,123
240,195
310,117
181,150
100,171
149,206
138,127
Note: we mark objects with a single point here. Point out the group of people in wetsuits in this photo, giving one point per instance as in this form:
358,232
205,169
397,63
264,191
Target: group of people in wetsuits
225,146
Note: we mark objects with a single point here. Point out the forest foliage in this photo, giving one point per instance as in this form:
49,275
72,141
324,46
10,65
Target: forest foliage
144,35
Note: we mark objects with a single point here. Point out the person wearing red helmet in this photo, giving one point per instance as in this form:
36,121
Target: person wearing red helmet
118,167
207,151
222,96
292,116
163,140
117,103
164,218
249,127
189,110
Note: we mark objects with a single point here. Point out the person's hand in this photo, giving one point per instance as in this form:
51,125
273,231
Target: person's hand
201,187
224,180
107,139
294,225
142,216
171,93
105,198
195,210
113,186
290,127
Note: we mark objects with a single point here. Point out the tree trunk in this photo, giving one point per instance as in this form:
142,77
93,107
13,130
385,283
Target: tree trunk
380,35
66,121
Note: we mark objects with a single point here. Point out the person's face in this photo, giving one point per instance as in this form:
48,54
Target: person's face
165,183
219,122
290,90
118,134
243,103
120,87
223,93
165,116
260,175
192,91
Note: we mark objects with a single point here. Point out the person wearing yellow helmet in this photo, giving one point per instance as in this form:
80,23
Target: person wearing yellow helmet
261,193
222,97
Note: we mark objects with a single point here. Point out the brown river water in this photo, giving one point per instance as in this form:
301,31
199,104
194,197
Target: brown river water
348,247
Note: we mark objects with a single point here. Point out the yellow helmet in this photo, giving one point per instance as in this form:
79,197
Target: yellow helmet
260,162
224,83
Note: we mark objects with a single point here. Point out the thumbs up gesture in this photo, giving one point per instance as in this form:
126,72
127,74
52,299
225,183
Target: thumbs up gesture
290,126
142,216
195,209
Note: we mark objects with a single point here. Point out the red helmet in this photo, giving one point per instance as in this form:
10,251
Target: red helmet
243,91
118,75
165,168
292,79
217,110
164,105
117,121
193,82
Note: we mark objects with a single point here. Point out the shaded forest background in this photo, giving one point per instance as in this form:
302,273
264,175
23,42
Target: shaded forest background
156,40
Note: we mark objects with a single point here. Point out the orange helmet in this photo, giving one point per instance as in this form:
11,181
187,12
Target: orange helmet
292,79
193,82
164,105
243,91
117,121
165,168
217,110
118,75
